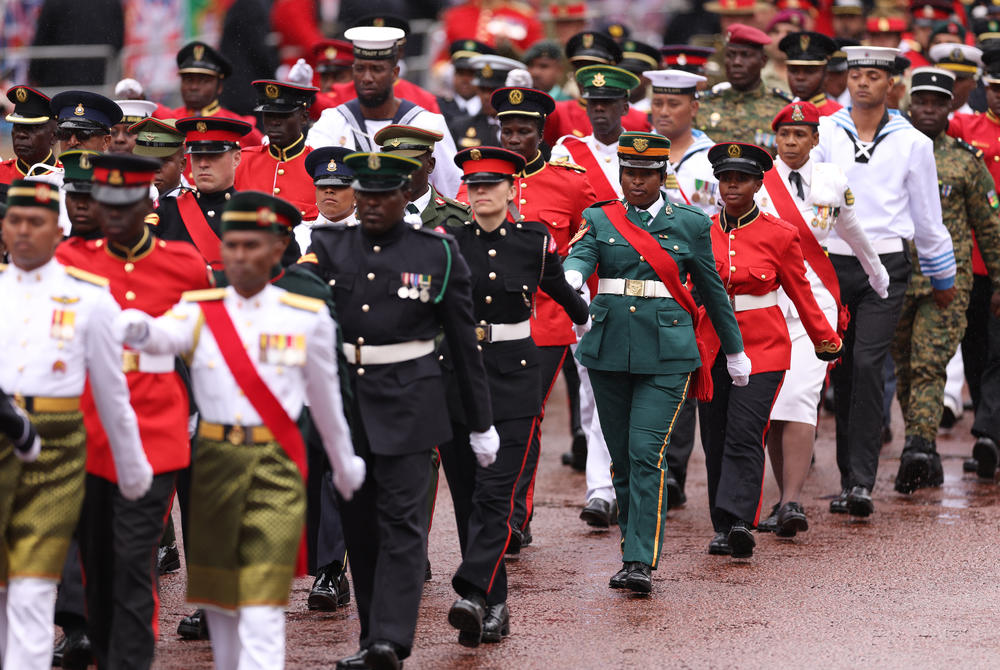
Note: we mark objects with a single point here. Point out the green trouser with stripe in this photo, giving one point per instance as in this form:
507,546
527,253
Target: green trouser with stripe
637,415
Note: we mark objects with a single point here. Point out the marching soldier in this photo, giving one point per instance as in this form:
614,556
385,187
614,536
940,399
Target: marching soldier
84,120
119,539
641,348
332,60
195,217
334,195
60,343
278,167
122,136
160,139
242,545
395,287
465,101
807,54
510,261
963,61
32,133
77,185
483,127
928,332
742,112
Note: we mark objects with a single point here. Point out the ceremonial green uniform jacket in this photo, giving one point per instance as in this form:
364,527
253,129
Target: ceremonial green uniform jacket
742,116
650,335
442,211
968,203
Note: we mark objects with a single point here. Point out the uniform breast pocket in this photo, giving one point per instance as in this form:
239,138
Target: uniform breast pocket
762,279
677,248
676,335
341,282
614,249
525,284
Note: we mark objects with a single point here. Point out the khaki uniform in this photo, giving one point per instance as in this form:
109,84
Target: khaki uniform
741,116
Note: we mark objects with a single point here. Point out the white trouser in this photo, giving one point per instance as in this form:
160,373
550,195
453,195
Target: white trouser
26,622
252,638
598,458
954,382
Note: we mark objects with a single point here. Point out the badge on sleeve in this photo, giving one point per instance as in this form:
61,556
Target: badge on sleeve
993,199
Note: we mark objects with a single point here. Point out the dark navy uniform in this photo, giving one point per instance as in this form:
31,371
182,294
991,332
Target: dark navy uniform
169,224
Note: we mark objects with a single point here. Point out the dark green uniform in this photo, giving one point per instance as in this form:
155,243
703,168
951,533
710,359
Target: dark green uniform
742,116
442,211
640,353
927,337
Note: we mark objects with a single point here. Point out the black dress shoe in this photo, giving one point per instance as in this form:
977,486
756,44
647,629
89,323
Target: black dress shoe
859,502
330,590
741,540
578,452
383,656
428,575
986,455
769,524
839,504
77,652
597,513
640,579
514,545
617,580
675,494
719,546
791,519
970,465
194,626
496,625
466,614
354,661
526,537
168,559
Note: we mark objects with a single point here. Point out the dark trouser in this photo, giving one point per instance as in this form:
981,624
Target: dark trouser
385,526
976,341
733,428
487,505
858,379
71,602
324,532
572,377
118,543
682,442
551,360
987,422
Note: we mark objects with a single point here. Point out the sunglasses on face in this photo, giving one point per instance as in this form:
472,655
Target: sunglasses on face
63,134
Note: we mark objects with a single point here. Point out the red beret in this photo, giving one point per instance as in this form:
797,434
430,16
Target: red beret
801,113
739,33
885,24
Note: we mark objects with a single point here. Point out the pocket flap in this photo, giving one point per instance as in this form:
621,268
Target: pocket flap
598,312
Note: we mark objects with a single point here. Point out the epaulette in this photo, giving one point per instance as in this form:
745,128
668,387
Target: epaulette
204,295
308,258
602,203
563,162
302,302
978,153
3,267
781,94
442,200
153,219
89,277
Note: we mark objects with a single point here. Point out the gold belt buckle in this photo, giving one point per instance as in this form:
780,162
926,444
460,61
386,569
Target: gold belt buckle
130,361
357,354
635,287
19,401
236,435
482,333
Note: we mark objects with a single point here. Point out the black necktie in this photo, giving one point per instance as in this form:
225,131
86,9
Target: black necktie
795,179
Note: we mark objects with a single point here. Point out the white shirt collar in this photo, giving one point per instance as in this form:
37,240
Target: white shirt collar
805,171
423,200
40,274
655,208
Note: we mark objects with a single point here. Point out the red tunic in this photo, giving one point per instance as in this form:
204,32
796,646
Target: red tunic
511,21
767,257
263,169
825,104
14,169
153,282
402,89
983,132
570,118
252,139
555,195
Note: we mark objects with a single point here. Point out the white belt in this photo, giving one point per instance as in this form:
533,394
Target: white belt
383,354
892,245
744,302
133,361
503,332
638,288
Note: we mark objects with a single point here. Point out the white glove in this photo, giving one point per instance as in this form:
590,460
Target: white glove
349,476
134,475
301,73
738,366
574,278
519,77
582,329
880,283
29,455
485,445
131,327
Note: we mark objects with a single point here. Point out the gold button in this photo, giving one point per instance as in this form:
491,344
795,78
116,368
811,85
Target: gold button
26,319
732,252
279,370
631,308
60,345
281,170
489,299
492,252
361,341
523,201
503,232
763,276
277,190
371,276
732,268
524,287
493,275
675,322
20,368
524,363
361,372
611,240
676,248
129,267
732,236
365,308
642,258
211,365
130,295
376,248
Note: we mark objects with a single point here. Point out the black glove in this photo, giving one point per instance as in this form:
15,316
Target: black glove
15,424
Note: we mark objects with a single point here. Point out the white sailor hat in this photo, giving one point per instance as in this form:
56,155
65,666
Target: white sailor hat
883,58
958,58
134,111
374,42
674,81
932,79
492,70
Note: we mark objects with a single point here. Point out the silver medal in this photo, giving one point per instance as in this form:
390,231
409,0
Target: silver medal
403,292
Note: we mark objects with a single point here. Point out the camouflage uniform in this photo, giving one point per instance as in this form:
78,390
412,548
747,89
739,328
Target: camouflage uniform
742,116
927,337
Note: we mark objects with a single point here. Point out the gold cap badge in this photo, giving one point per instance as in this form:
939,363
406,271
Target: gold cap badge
735,151
640,144
198,51
797,114
85,161
588,41
201,127
331,166
265,217
515,97
598,80
487,71
330,53
271,91
374,162
115,178
79,111
379,22
475,154
21,95
804,42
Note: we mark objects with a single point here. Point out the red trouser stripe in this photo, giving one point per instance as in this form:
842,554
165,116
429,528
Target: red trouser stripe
510,511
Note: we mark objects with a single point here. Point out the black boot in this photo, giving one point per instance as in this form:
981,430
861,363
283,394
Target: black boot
331,589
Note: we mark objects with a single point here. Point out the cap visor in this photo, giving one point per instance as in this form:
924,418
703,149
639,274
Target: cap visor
736,165
73,186
272,108
115,195
642,165
83,124
486,177
210,147
604,95
332,181
377,186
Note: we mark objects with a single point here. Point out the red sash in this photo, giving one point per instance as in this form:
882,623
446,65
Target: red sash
583,157
668,272
811,250
274,416
201,233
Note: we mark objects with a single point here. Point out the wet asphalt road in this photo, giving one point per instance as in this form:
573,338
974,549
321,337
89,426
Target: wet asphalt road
916,586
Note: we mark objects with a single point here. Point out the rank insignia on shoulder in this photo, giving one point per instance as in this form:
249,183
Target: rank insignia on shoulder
3,267
439,201
308,258
89,277
848,197
577,133
302,302
563,162
152,219
993,199
205,294
579,235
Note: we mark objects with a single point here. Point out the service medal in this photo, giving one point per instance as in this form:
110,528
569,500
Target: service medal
403,292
